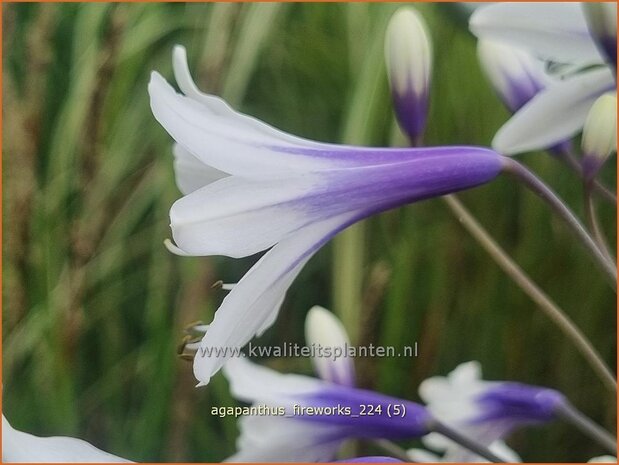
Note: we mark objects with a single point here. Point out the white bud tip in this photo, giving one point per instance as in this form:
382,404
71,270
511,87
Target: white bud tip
408,52
599,138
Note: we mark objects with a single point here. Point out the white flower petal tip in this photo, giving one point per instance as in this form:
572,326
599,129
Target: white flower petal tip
325,332
599,139
252,306
175,249
408,56
553,31
515,75
18,446
554,115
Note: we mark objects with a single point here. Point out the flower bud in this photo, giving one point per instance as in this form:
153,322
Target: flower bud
599,137
602,24
515,75
408,55
327,336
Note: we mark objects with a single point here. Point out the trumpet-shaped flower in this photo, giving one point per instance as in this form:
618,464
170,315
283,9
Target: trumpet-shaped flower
283,193
559,34
18,446
408,55
316,415
486,410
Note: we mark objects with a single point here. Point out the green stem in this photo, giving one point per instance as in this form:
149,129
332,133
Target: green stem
572,162
538,187
552,310
587,426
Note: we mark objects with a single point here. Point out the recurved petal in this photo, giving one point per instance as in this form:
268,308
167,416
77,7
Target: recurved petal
238,217
554,31
554,115
191,173
18,446
227,140
252,302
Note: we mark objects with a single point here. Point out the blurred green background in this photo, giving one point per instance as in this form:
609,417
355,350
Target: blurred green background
94,305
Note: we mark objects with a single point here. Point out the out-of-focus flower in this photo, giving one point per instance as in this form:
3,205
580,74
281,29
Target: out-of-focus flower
316,416
442,449
516,75
18,446
599,137
408,54
284,193
486,410
557,33
602,22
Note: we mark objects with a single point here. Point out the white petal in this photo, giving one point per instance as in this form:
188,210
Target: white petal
466,374
553,31
251,303
254,383
191,173
23,447
238,217
323,330
408,52
554,115
229,142
274,439
219,107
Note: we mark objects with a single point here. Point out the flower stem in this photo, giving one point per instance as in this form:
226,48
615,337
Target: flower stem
587,426
538,187
558,317
463,441
572,162
592,220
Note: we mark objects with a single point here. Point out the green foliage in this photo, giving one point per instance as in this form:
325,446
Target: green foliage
94,304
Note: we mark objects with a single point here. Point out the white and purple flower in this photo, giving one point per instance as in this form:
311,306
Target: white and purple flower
318,415
559,34
283,193
516,76
488,411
